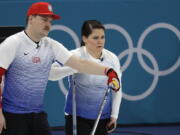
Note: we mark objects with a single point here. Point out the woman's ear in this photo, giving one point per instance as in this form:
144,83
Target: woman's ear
84,38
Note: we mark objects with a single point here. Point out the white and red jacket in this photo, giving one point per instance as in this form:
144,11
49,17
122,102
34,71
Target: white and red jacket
27,72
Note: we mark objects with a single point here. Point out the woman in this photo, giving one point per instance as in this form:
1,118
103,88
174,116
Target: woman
90,89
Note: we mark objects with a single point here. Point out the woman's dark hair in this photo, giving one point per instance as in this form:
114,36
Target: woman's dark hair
88,27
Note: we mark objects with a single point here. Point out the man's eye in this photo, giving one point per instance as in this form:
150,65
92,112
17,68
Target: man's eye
44,19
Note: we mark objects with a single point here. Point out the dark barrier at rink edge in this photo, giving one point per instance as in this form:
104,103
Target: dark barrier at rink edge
6,31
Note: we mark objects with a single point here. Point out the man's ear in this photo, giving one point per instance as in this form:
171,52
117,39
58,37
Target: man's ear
31,18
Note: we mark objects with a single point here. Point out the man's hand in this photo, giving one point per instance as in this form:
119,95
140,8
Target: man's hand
2,121
111,126
113,80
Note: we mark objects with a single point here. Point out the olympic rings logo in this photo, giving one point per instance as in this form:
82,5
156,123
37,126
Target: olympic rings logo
130,51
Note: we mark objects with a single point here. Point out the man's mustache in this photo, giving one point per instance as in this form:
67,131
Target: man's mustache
47,28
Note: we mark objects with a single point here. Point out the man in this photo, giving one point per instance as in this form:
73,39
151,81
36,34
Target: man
25,60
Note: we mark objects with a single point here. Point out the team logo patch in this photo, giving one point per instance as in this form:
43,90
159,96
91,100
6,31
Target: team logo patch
36,60
50,8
